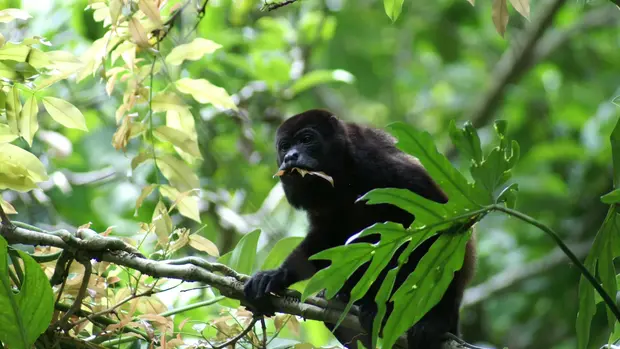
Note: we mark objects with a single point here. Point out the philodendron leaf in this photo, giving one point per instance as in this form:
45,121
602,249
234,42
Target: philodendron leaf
26,313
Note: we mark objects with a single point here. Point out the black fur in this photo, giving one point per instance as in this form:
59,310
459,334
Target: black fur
358,159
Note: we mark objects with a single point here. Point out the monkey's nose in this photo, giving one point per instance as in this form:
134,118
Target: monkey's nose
291,156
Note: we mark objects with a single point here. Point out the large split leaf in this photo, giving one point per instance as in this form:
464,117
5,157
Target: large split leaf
28,312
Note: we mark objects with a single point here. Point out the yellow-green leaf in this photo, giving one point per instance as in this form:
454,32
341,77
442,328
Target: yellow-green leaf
115,8
178,173
2,40
145,192
205,92
6,135
185,203
162,222
65,113
393,8
39,59
165,101
28,124
13,109
19,169
203,244
14,52
11,14
151,11
7,207
499,14
191,51
178,139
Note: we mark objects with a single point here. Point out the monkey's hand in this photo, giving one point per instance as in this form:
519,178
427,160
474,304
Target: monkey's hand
259,286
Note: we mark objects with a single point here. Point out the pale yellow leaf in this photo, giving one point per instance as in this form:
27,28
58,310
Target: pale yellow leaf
182,120
19,169
116,8
65,113
138,33
203,244
205,92
145,192
2,40
6,135
14,52
165,101
162,222
13,109
185,203
499,14
191,51
522,6
7,207
120,138
151,11
179,139
39,59
178,173
472,2
10,14
28,124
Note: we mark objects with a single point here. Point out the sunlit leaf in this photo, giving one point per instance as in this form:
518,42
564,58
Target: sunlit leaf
138,33
393,8
151,11
146,191
166,101
7,207
10,14
13,109
499,14
205,92
39,59
242,257
178,139
6,134
318,77
162,223
178,173
14,52
615,153
192,51
28,124
466,140
19,169
115,8
424,210
203,244
65,113
27,313
612,197
185,203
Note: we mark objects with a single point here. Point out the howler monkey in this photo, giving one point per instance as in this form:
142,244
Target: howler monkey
358,159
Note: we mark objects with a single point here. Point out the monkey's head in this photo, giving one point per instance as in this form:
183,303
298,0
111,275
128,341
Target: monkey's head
314,140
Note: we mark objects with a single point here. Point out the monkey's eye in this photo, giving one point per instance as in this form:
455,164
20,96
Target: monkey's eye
306,138
284,146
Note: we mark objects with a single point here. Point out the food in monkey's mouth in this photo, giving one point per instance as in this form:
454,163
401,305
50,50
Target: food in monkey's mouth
303,172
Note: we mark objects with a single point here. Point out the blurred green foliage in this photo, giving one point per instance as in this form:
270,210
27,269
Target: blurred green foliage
428,68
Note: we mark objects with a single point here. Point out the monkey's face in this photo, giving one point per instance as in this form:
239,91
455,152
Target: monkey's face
312,144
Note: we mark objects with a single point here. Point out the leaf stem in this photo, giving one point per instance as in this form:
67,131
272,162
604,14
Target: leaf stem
584,271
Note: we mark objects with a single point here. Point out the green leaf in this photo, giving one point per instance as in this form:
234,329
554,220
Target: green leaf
613,197
242,257
420,144
178,139
205,92
393,8
19,169
466,140
509,196
14,52
381,299
65,113
280,251
615,153
599,254
317,77
28,124
165,101
192,51
345,261
185,203
426,285
6,134
425,211
13,109
27,313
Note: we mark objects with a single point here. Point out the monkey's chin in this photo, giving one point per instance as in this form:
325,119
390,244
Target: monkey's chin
304,172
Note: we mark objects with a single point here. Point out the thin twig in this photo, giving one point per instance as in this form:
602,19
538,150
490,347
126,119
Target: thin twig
264,328
270,6
236,338
77,303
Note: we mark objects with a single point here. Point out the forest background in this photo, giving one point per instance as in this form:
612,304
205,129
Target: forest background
90,88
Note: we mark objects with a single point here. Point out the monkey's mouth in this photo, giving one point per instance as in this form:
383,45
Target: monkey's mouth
304,172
